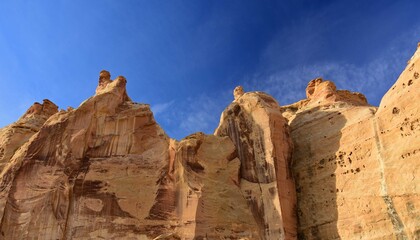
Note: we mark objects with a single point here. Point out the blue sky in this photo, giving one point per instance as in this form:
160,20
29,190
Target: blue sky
185,57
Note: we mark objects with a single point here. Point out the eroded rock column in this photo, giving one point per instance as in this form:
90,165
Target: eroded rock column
261,136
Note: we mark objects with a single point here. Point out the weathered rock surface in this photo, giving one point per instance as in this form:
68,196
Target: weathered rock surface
262,139
88,173
327,167
397,128
107,170
356,166
15,135
203,181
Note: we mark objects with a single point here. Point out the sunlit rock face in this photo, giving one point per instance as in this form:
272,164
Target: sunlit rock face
261,135
356,166
15,135
327,167
397,128
90,172
203,180
107,170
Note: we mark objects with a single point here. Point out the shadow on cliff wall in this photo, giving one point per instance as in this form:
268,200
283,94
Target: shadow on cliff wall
261,210
316,136
248,138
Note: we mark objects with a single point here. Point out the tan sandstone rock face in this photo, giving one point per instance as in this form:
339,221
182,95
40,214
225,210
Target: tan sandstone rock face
261,136
204,183
88,173
397,127
104,80
320,92
356,166
107,170
327,167
238,92
15,135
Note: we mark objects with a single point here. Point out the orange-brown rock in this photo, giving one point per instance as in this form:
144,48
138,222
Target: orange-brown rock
263,144
327,167
238,92
15,135
203,187
320,92
397,141
356,166
88,173
107,170
104,80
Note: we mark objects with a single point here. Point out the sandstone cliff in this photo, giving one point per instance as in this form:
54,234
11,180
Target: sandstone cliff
261,135
88,173
107,170
356,166
16,134
328,167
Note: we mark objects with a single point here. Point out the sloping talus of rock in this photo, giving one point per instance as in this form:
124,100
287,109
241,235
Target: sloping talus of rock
263,144
356,166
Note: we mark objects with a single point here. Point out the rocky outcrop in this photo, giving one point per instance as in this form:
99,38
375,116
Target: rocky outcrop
331,168
208,203
238,92
355,165
327,167
107,170
397,130
15,135
263,144
88,173
320,92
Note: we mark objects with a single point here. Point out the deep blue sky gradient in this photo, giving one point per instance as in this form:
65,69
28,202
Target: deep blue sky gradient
185,57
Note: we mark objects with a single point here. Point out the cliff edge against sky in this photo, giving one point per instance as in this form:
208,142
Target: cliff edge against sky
327,167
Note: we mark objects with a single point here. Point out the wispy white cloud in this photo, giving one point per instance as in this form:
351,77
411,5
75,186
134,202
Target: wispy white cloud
201,112
197,113
372,79
160,108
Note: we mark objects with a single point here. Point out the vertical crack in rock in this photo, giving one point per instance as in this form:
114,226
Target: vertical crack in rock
392,212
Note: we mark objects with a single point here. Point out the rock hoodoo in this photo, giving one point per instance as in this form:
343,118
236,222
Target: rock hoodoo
104,80
327,167
320,92
238,92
